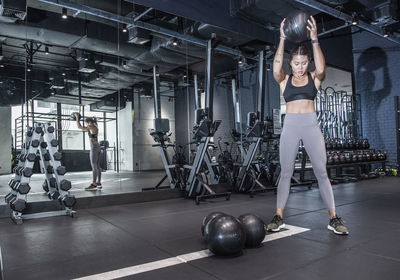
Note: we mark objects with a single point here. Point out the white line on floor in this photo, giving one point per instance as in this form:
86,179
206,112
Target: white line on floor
136,269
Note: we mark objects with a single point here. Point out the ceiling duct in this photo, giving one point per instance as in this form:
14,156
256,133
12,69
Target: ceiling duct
385,14
57,82
87,66
138,36
108,105
12,10
335,2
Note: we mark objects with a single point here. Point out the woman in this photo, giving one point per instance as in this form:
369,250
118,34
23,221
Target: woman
93,131
299,90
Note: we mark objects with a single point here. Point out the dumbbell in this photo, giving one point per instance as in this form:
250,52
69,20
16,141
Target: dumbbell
18,170
35,143
30,157
57,156
9,197
69,201
50,169
22,158
53,182
17,204
46,156
73,117
65,185
38,129
61,170
23,188
50,129
342,158
55,195
45,186
27,172
11,182
54,142
43,145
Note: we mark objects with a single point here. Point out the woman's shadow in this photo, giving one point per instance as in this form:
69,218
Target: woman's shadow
374,85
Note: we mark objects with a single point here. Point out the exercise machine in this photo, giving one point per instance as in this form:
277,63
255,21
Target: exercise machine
248,178
197,185
161,135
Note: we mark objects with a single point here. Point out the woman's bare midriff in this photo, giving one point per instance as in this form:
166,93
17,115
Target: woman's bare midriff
301,106
93,139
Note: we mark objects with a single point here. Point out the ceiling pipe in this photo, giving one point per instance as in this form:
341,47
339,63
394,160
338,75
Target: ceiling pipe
132,22
333,29
345,17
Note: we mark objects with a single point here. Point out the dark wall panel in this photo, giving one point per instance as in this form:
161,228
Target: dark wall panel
377,81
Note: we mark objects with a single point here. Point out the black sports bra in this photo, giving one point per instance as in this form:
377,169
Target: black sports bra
92,135
308,91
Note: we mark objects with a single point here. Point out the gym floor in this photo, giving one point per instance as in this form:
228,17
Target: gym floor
130,241
113,183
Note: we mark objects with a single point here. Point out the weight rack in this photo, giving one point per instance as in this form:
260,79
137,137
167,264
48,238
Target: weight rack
40,141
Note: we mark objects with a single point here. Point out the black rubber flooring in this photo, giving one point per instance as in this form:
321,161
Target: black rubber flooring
110,238
113,183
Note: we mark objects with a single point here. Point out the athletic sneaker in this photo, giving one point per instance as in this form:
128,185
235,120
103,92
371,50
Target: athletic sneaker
99,186
336,225
92,187
276,224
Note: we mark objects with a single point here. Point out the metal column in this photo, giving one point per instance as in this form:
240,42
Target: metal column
210,77
157,107
261,86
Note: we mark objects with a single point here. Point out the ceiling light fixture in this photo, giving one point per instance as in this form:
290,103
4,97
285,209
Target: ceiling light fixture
64,14
354,20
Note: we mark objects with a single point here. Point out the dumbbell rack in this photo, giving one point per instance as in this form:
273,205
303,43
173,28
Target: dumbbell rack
40,141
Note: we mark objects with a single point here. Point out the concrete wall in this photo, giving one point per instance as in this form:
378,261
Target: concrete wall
5,140
125,128
146,157
377,81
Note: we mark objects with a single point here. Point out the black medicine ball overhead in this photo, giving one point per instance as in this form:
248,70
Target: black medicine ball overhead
295,27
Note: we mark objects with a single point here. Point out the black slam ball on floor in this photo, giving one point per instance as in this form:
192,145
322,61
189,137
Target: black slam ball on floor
207,219
226,236
295,27
254,228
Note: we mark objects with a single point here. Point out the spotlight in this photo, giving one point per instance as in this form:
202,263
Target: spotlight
124,63
63,73
241,60
28,68
354,20
385,33
124,28
52,92
175,42
46,50
64,13
1,65
97,76
184,76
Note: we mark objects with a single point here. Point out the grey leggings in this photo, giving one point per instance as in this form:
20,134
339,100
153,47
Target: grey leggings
95,160
305,127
